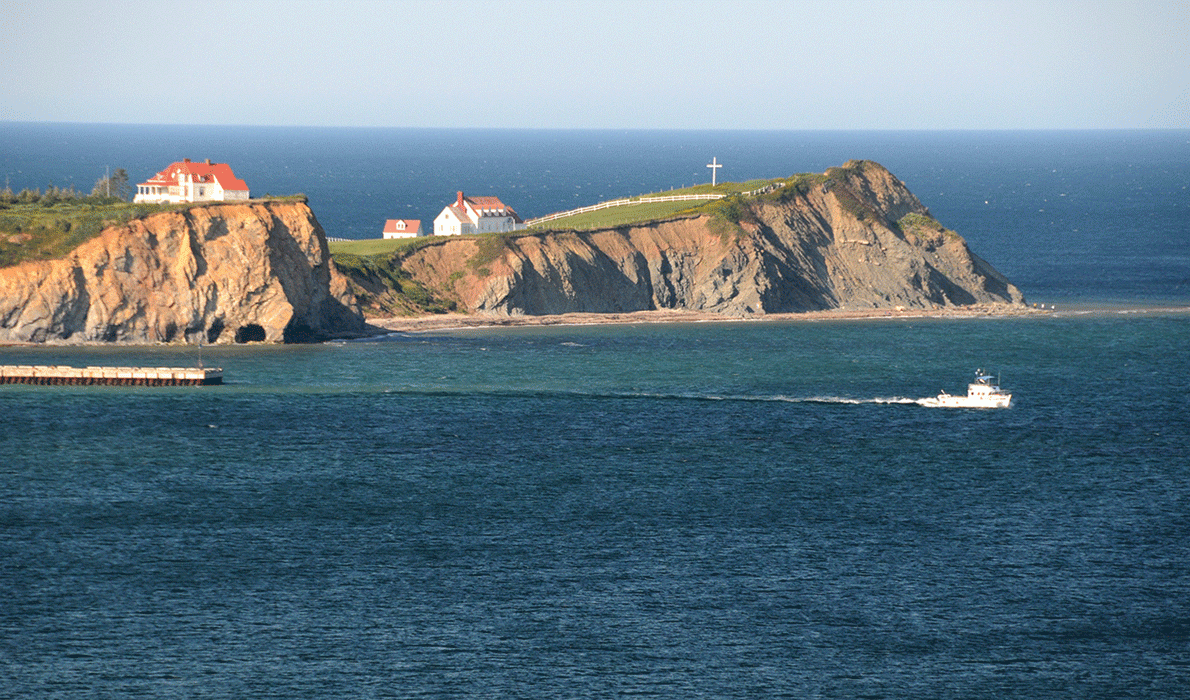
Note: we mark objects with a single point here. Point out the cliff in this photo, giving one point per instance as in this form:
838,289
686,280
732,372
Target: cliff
225,272
852,238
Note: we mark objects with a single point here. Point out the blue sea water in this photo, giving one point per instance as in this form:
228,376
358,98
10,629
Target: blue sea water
715,510
693,510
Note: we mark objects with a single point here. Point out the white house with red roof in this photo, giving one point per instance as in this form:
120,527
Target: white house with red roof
193,182
402,228
476,215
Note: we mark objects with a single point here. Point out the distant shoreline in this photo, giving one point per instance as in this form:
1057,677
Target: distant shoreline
454,322
445,322
463,321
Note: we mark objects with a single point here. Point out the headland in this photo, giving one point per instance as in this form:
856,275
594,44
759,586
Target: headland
852,242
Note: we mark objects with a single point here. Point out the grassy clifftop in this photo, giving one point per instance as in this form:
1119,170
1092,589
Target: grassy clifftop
36,231
47,230
640,212
374,266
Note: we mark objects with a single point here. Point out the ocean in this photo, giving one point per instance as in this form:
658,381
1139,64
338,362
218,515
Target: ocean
702,510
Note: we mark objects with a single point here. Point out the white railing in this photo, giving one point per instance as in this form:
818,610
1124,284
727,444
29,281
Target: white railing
647,200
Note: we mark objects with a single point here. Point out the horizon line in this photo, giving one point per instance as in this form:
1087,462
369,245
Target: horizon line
609,128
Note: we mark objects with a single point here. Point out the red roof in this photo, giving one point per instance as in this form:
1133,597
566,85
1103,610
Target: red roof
411,226
199,172
484,206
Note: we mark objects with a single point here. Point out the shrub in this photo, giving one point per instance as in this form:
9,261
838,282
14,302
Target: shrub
489,249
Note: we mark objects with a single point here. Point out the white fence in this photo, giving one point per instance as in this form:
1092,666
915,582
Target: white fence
623,202
648,200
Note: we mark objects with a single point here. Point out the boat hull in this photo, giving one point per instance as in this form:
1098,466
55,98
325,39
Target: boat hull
948,401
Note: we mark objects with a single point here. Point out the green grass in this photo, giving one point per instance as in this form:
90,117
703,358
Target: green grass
381,285
796,186
722,188
491,247
382,247
613,217
925,227
630,214
47,231
370,246
39,232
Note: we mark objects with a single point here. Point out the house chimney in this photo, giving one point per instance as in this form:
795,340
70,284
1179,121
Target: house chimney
185,160
459,203
208,161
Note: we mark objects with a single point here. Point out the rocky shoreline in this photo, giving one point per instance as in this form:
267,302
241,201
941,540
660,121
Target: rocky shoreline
449,322
437,322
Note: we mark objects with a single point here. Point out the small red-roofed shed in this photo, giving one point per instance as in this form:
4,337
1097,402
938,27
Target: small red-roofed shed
402,228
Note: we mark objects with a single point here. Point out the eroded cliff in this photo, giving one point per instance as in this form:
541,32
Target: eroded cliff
256,271
852,238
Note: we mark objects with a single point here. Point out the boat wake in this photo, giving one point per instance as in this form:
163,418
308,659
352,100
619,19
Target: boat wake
928,402
781,398
844,400
694,396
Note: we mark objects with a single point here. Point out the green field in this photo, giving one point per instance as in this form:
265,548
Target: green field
611,217
46,229
43,232
649,211
369,246
618,216
722,188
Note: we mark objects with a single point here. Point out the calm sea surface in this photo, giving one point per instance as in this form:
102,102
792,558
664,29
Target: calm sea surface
722,510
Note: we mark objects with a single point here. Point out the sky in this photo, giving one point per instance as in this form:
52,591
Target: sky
567,64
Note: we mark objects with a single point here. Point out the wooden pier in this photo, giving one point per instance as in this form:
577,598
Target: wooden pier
117,376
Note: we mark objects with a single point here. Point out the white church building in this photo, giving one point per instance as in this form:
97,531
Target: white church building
476,215
192,182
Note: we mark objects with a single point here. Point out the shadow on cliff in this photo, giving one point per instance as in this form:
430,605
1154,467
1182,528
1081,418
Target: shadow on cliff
590,283
852,238
318,315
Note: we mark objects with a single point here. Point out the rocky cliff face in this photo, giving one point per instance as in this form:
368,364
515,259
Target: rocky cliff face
853,238
227,272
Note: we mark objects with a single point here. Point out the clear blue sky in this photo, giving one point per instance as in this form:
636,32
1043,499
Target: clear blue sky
733,64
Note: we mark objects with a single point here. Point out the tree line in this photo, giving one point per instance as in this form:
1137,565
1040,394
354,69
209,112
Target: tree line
108,189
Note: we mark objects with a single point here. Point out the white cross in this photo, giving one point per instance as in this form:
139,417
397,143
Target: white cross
714,165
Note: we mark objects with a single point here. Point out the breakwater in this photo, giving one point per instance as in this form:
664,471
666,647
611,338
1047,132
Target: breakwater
126,376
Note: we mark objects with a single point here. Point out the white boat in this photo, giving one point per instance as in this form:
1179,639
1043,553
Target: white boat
981,393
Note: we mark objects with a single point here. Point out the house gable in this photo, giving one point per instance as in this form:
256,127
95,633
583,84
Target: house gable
187,181
402,228
477,215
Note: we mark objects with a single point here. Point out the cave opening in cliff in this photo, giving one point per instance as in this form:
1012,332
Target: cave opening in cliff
215,330
297,332
251,333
